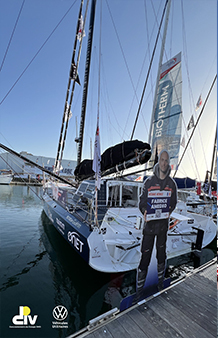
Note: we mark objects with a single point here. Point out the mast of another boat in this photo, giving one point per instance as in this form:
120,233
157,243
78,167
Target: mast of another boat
214,160
159,69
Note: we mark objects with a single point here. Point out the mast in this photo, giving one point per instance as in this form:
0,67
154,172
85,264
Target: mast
72,76
213,157
86,80
159,68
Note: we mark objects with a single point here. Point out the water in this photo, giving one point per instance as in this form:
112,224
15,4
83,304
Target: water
40,271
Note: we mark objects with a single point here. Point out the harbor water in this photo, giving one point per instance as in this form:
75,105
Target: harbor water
42,277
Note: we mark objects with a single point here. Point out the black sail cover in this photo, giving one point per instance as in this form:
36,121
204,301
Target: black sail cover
112,157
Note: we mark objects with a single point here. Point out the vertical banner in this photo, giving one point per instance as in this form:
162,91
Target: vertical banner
167,121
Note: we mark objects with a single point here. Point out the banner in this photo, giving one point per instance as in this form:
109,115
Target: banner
167,120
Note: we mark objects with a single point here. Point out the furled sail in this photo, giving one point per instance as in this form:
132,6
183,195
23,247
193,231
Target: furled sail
129,153
167,120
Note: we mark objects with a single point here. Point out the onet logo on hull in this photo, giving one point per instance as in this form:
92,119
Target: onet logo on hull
73,238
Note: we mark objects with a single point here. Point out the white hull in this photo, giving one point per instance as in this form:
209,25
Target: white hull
5,179
116,247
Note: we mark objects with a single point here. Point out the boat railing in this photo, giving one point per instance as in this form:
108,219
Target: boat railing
82,201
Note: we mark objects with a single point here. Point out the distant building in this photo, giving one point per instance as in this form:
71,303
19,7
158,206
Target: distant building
19,166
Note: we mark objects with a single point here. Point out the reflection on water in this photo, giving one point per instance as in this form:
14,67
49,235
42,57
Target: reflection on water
85,292
14,280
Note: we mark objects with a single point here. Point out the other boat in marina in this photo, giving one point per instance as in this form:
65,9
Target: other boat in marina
6,176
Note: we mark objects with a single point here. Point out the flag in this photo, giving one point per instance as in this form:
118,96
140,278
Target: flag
73,73
191,123
198,188
183,142
81,31
96,165
199,103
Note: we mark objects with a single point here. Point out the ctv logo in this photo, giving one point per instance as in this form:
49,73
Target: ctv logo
24,317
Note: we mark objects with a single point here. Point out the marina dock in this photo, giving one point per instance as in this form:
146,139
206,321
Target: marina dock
187,309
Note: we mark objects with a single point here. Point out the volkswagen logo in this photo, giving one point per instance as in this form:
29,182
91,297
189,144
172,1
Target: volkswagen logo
60,312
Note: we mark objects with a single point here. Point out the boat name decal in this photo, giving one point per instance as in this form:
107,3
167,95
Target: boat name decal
161,112
73,238
77,224
61,225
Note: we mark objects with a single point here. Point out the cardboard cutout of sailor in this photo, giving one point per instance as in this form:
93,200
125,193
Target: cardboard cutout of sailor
157,202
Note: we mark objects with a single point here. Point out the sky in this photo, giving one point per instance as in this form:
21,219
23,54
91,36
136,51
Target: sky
37,40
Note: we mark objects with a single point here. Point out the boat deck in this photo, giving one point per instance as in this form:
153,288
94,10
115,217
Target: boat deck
188,309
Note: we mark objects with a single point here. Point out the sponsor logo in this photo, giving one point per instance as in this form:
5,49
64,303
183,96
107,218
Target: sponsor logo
73,238
60,313
96,253
171,62
71,220
61,225
161,110
24,319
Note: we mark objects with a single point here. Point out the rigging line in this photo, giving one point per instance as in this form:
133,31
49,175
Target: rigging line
122,51
183,118
143,63
149,70
189,82
171,30
114,125
212,64
6,140
191,149
99,69
31,61
13,152
12,34
141,72
149,51
215,78
168,57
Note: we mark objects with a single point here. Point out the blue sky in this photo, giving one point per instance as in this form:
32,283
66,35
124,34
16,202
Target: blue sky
31,113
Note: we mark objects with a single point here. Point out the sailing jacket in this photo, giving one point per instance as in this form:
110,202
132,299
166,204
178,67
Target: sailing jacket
155,183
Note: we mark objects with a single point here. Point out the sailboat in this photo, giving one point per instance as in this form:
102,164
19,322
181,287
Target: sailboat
105,226
6,176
